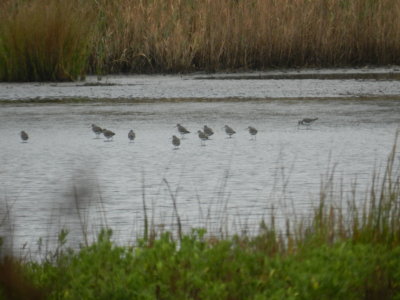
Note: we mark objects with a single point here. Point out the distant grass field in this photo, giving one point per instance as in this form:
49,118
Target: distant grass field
64,40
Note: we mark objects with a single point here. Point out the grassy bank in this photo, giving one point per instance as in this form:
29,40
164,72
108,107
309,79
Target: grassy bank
199,268
58,40
337,252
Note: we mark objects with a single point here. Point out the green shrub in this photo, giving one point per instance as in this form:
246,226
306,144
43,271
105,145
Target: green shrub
196,268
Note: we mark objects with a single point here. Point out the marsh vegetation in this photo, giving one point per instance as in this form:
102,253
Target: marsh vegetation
344,245
56,40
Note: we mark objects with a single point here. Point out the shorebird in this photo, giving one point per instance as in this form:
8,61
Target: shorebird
108,134
208,131
176,141
182,130
24,136
97,130
252,131
203,137
307,121
229,131
131,135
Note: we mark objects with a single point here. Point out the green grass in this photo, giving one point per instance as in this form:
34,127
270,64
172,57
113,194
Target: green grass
196,268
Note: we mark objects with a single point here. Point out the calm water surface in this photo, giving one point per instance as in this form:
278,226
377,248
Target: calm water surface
229,183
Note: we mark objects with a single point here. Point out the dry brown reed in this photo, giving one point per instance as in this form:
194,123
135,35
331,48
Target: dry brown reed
44,40
184,35
190,35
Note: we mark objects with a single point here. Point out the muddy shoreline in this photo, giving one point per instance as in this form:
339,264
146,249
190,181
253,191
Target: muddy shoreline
378,83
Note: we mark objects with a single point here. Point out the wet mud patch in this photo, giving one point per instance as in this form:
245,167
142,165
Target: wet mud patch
304,84
315,76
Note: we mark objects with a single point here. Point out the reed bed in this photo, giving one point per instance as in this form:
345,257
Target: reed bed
44,40
100,36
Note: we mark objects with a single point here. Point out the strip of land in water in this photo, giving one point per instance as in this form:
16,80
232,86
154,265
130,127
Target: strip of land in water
365,83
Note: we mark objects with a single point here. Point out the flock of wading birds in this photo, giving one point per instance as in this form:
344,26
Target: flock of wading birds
204,134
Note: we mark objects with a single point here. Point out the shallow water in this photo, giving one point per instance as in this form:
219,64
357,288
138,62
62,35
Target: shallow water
229,183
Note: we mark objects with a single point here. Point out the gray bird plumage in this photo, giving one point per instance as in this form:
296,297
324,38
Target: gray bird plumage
176,141
307,121
229,131
208,131
131,135
108,134
252,131
24,136
182,130
203,137
97,130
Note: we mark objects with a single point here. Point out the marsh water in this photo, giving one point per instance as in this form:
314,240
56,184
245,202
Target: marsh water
65,177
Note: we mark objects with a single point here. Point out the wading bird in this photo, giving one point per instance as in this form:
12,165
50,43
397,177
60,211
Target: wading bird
24,136
131,135
108,134
208,131
182,130
252,131
307,121
229,131
97,130
176,142
203,137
